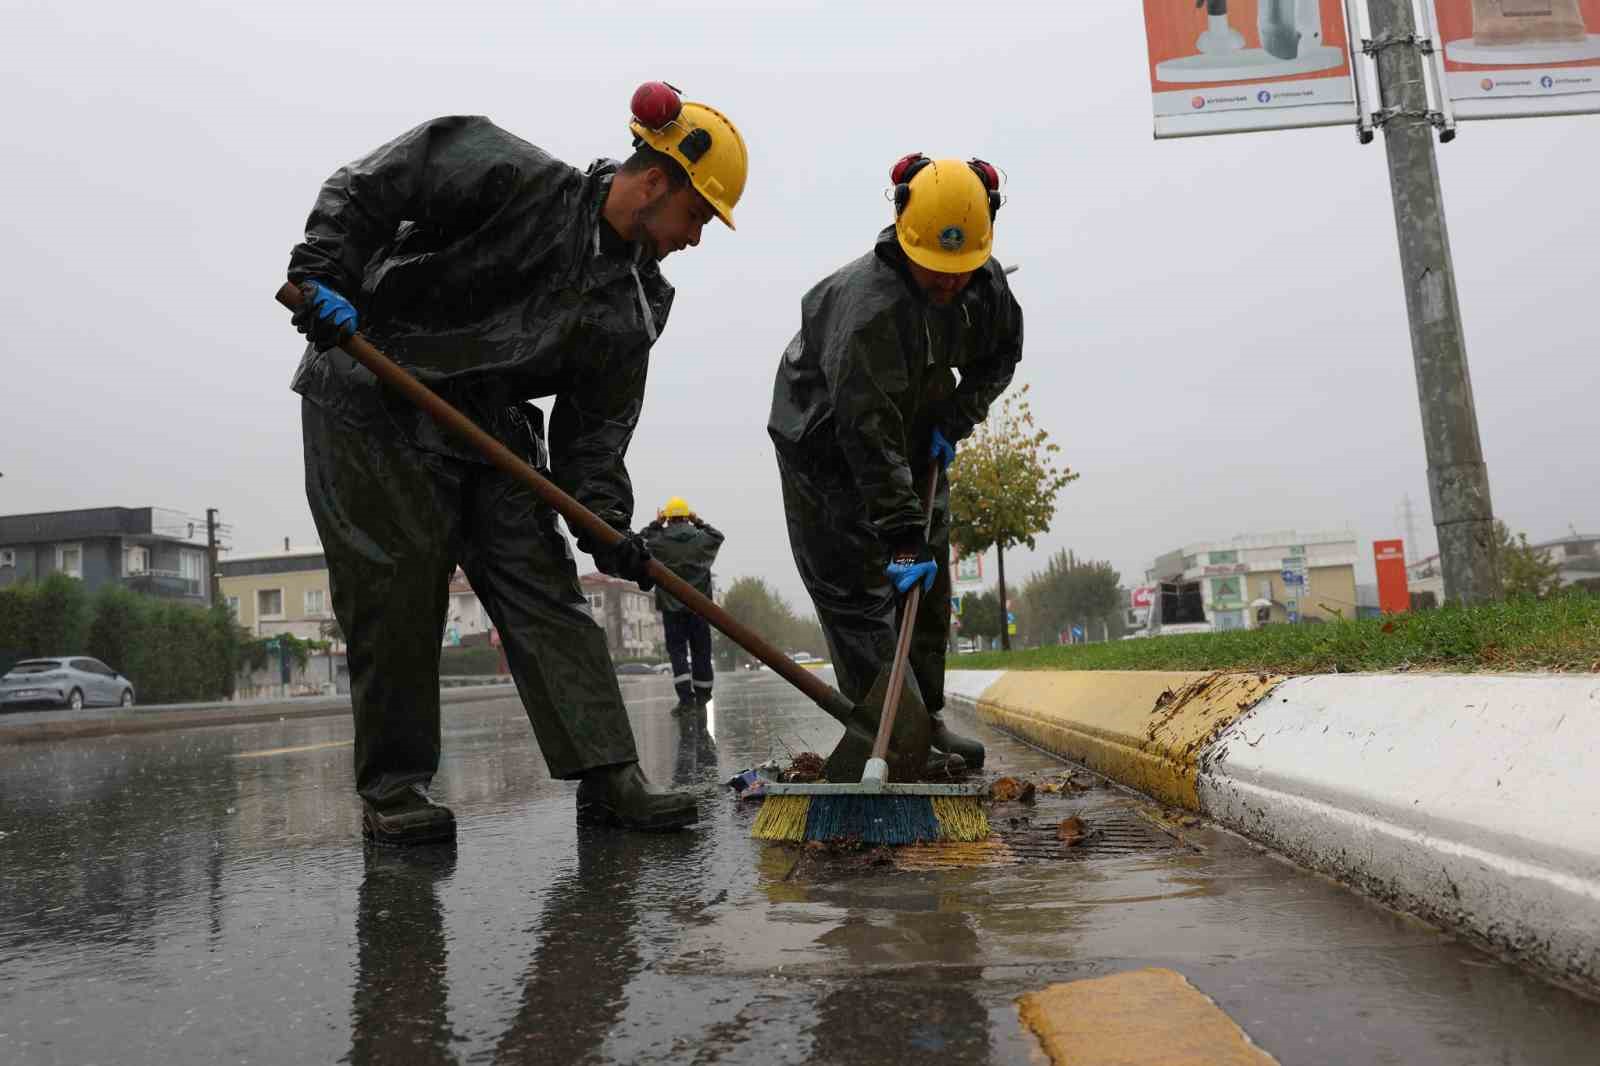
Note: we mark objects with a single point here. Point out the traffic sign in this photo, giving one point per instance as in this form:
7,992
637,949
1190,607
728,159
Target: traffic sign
1011,617
1012,629
1077,634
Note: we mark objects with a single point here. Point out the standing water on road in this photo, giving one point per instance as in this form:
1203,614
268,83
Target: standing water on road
204,896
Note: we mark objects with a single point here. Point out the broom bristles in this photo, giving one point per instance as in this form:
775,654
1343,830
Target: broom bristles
871,819
782,818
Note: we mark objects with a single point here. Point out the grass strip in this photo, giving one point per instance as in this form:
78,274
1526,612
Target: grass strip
1560,634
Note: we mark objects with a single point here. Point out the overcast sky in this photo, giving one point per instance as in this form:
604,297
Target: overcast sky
1216,332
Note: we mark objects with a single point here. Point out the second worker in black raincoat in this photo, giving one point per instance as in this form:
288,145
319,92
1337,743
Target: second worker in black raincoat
496,274
886,355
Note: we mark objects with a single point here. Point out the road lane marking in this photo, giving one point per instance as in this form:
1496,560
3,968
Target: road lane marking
1140,1018
265,752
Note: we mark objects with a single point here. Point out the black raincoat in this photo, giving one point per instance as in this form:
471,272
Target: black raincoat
687,550
481,264
859,391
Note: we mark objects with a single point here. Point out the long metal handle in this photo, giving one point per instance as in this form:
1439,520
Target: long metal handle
908,622
362,350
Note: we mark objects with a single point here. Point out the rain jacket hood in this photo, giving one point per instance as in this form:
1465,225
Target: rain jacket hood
873,371
482,264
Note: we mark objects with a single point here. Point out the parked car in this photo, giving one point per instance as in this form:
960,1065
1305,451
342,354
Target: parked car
74,682
630,669
662,668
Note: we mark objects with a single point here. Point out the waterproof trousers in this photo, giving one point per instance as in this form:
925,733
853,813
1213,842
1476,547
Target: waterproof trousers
395,522
689,645
841,559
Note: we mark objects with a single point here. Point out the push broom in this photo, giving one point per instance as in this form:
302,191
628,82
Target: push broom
907,734
877,809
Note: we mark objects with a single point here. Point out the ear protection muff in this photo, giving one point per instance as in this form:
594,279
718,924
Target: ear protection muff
989,174
905,168
908,166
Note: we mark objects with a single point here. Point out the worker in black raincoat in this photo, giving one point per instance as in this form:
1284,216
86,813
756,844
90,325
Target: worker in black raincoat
867,404
687,545
496,274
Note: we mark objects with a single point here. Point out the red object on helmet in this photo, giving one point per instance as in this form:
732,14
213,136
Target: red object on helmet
655,103
987,171
903,167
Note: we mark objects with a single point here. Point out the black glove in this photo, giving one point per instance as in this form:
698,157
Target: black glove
699,523
628,559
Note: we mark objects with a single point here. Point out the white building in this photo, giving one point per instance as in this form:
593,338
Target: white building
1304,576
1577,558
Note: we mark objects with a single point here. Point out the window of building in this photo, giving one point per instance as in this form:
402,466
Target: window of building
69,559
136,560
597,600
233,607
314,600
8,557
189,565
269,603
1222,558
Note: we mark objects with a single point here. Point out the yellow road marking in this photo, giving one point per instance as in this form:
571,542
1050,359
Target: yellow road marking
1139,1018
291,751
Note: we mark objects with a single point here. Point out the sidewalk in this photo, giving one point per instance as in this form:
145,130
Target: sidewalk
1466,799
29,727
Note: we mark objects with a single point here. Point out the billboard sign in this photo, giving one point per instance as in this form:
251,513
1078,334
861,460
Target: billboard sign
1520,58
1236,66
1143,597
1394,590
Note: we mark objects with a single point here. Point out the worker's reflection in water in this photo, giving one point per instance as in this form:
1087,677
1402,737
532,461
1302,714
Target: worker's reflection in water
398,1011
696,755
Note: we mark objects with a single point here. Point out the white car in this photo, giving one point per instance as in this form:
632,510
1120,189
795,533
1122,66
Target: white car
72,682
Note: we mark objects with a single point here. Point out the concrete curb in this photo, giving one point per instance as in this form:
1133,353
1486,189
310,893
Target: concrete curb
1466,799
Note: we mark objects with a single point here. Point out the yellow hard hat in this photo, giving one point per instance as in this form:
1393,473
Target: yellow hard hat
700,138
677,507
944,212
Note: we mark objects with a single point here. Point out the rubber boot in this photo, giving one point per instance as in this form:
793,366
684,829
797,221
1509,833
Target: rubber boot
620,795
684,706
954,743
943,767
410,818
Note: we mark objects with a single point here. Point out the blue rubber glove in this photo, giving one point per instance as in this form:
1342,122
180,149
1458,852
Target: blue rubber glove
911,564
326,318
941,450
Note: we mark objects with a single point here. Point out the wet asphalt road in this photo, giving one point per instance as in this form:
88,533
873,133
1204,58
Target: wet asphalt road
202,896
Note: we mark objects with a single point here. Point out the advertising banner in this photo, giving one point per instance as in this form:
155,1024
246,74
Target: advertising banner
1237,66
1520,58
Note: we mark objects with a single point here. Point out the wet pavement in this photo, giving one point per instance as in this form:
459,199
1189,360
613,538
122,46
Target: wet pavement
202,896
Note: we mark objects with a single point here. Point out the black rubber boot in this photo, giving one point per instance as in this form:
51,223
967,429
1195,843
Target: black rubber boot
410,818
684,706
942,766
620,795
954,743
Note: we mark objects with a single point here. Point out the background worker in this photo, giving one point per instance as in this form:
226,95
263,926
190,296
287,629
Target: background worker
866,403
687,546
496,274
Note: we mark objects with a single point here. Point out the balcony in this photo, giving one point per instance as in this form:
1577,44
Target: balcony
168,584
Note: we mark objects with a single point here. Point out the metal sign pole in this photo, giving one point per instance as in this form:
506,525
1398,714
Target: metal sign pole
1458,480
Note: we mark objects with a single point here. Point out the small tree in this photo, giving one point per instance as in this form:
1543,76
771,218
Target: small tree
981,615
1070,590
761,607
1525,571
1003,487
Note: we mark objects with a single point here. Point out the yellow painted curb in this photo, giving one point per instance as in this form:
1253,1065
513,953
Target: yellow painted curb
1143,729
1151,1017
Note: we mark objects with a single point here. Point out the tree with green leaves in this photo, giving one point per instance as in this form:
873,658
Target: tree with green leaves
981,615
761,607
1003,487
1069,591
1525,571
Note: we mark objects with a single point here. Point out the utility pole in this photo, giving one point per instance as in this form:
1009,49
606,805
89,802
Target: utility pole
1458,480
214,585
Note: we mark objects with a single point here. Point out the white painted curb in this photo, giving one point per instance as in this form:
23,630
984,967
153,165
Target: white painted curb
1471,800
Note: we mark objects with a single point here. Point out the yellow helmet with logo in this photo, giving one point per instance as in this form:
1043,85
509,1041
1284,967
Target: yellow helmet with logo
944,212
699,138
677,507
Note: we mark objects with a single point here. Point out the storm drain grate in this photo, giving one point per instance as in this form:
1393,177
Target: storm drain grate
1113,833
